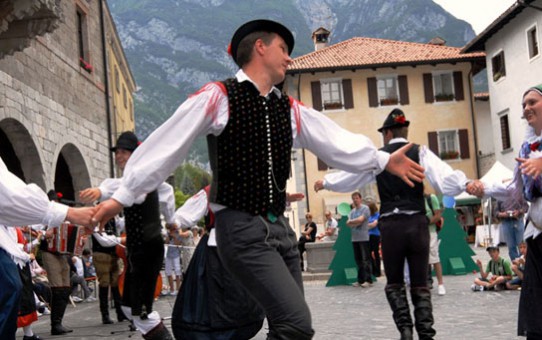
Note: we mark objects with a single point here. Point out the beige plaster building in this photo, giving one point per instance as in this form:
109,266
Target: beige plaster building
359,81
122,83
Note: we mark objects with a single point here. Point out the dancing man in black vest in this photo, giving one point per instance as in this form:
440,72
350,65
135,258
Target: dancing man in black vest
251,127
403,225
144,243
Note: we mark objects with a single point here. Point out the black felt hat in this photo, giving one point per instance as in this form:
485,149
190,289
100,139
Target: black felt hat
52,195
127,141
396,118
261,25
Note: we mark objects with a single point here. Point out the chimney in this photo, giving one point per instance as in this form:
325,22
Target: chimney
320,37
437,41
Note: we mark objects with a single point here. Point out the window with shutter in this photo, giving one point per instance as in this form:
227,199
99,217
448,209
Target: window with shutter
373,93
348,94
443,87
448,144
458,86
505,132
316,95
428,87
403,90
532,41
497,66
388,90
336,94
432,138
463,143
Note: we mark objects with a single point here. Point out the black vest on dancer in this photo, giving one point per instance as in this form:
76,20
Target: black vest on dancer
145,248
142,222
393,192
250,159
110,228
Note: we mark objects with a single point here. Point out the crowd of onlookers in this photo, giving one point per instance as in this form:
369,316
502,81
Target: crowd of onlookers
498,273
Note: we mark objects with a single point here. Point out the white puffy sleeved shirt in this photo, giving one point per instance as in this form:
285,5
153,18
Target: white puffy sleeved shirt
23,204
439,174
207,112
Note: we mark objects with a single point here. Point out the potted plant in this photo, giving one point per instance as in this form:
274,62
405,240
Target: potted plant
444,97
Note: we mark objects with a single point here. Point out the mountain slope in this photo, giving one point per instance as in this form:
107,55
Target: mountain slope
176,46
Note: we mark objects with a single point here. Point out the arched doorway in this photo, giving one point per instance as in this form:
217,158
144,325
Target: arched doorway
71,174
19,152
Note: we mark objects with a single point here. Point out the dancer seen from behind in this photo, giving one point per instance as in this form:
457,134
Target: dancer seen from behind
403,223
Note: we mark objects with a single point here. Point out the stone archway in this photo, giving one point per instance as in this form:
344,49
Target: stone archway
19,152
71,173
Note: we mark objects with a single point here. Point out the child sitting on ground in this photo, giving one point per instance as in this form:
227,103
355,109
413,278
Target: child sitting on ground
500,272
518,266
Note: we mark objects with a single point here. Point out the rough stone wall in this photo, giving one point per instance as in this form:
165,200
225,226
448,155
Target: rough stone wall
57,101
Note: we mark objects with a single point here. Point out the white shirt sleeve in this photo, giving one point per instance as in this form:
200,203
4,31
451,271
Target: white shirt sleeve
192,210
22,203
204,113
334,145
166,196
108,187
440,175
342,181
106,240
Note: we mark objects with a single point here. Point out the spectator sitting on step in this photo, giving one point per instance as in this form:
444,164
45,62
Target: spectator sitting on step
499,268
518,267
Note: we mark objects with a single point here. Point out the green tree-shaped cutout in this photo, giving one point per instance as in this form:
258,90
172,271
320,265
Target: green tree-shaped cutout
453,245
344,257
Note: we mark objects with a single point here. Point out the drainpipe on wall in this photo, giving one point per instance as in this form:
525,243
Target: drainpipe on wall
303,154
106,85
475,137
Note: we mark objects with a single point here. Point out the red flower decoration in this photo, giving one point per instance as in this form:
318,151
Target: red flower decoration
534,146
400,119
59,194
229,49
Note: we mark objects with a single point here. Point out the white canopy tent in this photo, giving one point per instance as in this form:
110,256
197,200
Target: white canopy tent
497,174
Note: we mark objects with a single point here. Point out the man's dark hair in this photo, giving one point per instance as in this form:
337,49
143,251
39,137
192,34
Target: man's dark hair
244,50
399,132
356,193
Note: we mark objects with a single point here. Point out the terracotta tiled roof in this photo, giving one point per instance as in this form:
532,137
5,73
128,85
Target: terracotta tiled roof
359,53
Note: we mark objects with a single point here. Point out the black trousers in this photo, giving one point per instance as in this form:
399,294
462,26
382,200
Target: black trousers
142,270
405,237
374,248
530,301
362,255
264,258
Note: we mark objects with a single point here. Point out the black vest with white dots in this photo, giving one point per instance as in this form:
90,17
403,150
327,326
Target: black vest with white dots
250,159
143,222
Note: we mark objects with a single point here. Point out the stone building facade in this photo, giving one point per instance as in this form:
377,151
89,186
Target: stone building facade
54,126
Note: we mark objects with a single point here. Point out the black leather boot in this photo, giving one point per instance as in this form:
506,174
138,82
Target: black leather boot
423,312
118,303
397,298
104,305
160,332
60,298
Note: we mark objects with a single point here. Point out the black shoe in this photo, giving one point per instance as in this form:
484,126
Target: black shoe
59,330
33,337
106,320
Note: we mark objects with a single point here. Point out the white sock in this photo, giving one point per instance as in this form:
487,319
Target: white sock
28,330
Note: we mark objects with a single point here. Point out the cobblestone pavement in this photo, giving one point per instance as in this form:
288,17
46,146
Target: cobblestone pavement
345,313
